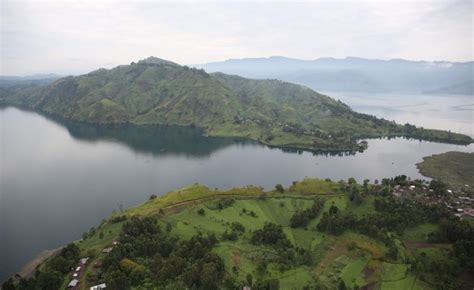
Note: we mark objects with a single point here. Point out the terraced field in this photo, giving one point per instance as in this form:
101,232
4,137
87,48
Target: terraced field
356,259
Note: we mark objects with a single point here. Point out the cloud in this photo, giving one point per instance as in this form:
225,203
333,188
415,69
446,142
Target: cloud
43,36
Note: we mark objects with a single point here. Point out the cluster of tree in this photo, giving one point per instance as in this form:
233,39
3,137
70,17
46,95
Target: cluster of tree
438,187
225,202
282,253
147,255
118,219
303,217
271,234
392,215
249,213
50,276
461,234
236,229
279,188
446,270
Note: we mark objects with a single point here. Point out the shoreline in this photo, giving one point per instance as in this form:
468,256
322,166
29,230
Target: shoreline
28,269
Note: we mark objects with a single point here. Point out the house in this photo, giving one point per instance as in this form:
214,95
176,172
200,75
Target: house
73,283
469,212
78,269
99,287
83,261
75,275
107,250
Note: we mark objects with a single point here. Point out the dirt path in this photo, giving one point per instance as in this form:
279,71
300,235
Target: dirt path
243,196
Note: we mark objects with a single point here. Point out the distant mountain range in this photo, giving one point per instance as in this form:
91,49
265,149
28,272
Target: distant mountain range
156,91
354,74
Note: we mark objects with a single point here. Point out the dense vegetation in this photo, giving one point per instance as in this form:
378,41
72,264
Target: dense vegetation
51,274
155,91
316,234
453,168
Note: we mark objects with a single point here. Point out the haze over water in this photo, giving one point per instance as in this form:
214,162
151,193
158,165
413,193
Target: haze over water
58,180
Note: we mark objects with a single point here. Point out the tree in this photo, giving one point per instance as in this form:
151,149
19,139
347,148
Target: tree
117,280
279,188
8,285
249,280
49,279
59,264
333,209
201,211
342,285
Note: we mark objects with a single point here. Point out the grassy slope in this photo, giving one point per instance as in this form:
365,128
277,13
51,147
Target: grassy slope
333,260
155,91
453,168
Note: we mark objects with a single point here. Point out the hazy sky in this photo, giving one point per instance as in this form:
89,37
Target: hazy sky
78,36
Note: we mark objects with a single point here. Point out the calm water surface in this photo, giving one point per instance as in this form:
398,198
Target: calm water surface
59,179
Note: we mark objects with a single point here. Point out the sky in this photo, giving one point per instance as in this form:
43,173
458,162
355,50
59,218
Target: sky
72,37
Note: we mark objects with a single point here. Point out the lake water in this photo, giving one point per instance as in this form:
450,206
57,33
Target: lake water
447,112
59,179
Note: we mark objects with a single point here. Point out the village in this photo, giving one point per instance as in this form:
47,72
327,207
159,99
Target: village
456,200
77,274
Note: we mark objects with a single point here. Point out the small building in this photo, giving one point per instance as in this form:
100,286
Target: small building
73,283
99,287
460,210
469,212
75,275
107,250
83,261
78,269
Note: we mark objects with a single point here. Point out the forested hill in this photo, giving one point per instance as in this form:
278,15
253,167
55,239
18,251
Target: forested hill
156,91
315,234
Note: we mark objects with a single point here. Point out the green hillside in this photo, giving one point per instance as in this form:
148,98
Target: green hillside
453,168
316,234
155,91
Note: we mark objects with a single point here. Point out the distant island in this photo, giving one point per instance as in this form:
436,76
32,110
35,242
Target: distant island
156,91
394,233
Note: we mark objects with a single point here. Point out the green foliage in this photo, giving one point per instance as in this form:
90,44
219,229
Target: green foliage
165,259
271,234
155,91
453,168
303,217
280,188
